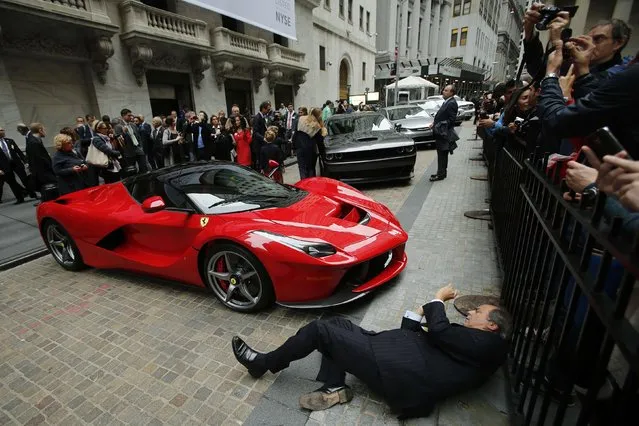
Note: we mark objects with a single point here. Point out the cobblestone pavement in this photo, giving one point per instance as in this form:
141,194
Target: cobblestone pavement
106,347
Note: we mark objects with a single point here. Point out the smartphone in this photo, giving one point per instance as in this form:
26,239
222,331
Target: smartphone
603,143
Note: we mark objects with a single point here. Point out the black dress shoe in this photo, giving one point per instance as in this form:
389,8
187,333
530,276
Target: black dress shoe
247,357
436,178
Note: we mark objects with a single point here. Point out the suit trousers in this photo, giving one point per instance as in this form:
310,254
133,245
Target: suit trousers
18,191
344,346
442,162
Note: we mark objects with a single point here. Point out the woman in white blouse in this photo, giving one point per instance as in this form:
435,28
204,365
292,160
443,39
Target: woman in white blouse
172,138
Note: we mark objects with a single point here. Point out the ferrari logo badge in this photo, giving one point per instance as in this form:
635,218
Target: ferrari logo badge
204,221
233,281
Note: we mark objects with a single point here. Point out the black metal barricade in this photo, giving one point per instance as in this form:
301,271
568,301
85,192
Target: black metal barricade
569,276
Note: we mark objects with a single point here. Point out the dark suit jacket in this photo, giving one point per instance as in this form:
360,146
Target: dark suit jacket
446,116
207,135
293,122
17,157
39,161
156,142
145,134
419,368
68,179
130,150
613,103
259,129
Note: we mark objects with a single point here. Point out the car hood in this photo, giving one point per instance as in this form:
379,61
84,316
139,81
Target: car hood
366,141
321,218
415,122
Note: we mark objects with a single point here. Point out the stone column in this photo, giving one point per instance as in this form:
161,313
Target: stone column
426,30
622,10
403,28
9,111
434,32
414,32
444,29
578,23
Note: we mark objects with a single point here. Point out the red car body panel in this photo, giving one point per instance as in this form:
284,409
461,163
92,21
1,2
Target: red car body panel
168,243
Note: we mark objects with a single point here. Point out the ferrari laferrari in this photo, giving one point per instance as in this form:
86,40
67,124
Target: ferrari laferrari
222,226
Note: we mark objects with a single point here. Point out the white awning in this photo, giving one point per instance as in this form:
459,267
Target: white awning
412,82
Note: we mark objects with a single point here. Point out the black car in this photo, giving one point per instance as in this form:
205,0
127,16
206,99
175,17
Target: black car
365,147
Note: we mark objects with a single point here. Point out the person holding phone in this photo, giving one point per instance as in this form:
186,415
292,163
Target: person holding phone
68,165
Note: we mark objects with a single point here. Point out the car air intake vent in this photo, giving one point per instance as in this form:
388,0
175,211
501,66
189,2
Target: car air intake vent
353,214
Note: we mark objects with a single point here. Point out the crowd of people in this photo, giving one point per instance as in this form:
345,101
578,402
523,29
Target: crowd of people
574,88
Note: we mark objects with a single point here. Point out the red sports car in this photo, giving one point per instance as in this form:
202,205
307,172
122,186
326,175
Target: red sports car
252,241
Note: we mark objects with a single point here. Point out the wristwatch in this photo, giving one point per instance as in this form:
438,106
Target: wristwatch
549,75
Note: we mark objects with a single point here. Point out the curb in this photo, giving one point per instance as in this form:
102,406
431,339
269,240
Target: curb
21,258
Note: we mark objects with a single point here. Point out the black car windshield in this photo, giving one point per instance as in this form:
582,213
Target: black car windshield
356,123
401,113
215,189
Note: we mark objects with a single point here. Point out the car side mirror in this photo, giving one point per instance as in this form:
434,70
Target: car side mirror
153,204
273,164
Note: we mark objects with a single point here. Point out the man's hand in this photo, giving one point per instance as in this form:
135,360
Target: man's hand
566,82
581,49
530,19
626,183
579,176
556,58
512,127
77,169
446,293
607,172
485,123
557,25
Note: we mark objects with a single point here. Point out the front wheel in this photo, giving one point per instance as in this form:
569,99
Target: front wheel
62,247
238,279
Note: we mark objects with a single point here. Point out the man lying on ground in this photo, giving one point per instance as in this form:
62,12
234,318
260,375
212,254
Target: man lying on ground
409,367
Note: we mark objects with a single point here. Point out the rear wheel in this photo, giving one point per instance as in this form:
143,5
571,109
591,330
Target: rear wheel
62,247
238,279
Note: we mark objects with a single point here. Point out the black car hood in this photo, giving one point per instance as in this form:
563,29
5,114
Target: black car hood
365,141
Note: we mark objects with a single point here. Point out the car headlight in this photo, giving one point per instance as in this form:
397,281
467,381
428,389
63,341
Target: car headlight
400,149
410,148
329,157
338,156
312,248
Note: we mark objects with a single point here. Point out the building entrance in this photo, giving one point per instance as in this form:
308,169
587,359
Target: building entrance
169,91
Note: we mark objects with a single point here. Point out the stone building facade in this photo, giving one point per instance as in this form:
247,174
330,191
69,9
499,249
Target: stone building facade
65,58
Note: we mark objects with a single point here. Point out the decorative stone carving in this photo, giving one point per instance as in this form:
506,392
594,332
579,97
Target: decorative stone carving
200,63
37,44
101,50
222,70
275,75
259,73
141,55
298,80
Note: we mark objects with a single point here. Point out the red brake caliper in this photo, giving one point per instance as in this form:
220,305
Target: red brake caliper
220,266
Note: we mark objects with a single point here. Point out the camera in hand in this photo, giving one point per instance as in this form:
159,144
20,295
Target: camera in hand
549,13
483,115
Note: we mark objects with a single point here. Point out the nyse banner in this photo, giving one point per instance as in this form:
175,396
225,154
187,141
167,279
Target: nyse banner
277,16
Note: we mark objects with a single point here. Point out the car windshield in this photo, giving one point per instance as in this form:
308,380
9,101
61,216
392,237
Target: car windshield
358,123
215,189
401,113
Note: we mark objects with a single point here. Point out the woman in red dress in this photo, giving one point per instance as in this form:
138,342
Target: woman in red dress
242,139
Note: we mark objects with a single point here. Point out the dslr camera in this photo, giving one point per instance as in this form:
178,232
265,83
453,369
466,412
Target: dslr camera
548,13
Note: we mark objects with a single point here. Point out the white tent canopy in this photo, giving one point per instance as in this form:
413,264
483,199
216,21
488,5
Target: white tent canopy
411,88
412,82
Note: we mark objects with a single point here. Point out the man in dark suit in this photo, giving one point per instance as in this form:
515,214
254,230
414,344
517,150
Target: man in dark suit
145,133
411,368
85,134
259,129
444,131
12,161
39,159
290,123
132,141
202,136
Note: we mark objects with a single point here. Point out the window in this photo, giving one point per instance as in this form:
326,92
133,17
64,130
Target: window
457,8
322,58
278,39
467,4
464,36
361,18
327,4
232,24
368,22
363,70
419,34
408,27
350,11
453,37
341,9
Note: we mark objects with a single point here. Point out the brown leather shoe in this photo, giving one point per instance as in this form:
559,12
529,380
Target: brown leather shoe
322,399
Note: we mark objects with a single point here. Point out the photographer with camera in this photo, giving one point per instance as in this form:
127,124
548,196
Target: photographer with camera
608,39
